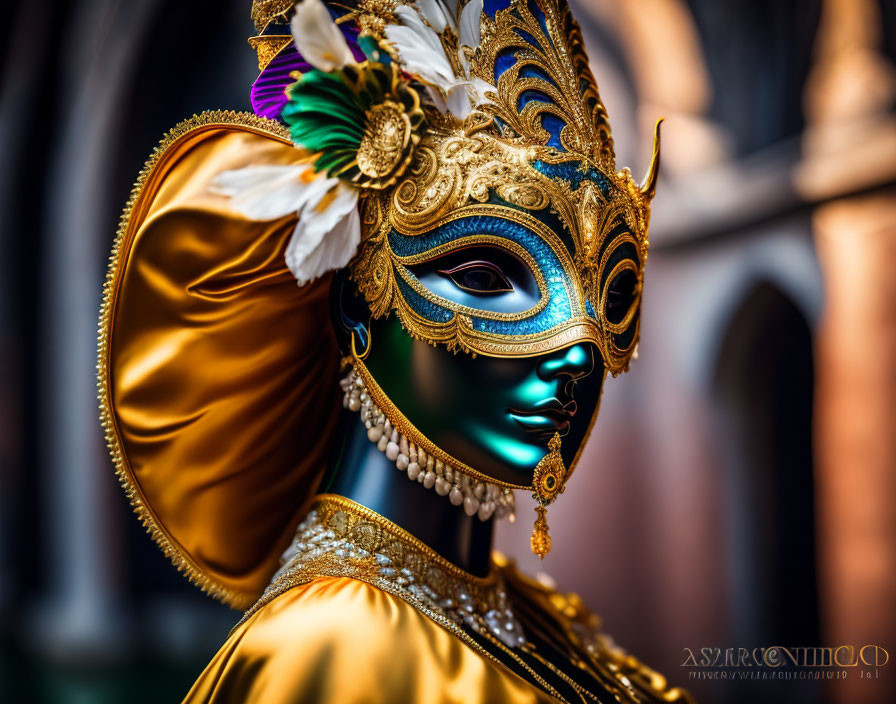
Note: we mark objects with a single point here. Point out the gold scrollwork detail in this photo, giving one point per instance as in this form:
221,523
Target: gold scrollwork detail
501,157
556,67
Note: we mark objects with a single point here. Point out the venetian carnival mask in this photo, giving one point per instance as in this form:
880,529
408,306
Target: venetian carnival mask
452,165
459,163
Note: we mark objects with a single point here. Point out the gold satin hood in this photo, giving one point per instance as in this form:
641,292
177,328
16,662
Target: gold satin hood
217,373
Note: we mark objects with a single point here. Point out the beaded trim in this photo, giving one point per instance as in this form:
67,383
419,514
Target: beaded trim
477,497
341,538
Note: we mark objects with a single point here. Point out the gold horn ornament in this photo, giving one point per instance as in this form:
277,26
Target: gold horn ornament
548,482
648,186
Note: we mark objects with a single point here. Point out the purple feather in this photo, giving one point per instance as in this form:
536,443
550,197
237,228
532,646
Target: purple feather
268,94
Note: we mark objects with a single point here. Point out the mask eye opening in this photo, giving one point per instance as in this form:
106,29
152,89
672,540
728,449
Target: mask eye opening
622,294
527,291
478,277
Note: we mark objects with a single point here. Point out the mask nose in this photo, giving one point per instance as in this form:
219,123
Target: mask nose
573,363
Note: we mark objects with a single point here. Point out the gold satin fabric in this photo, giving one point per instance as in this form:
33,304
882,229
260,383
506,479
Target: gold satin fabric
341,641
221,374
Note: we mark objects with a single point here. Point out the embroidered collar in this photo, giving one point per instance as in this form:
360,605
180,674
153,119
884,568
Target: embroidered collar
340,538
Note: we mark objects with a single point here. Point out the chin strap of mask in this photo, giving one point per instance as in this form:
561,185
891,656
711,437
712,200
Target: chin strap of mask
416,457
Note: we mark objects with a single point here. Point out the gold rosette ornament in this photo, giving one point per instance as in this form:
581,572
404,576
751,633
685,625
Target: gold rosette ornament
385,147
363,121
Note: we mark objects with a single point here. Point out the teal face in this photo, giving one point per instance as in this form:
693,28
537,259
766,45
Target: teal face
495,414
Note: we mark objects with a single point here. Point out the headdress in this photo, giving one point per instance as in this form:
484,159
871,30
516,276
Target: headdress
497,107
387,135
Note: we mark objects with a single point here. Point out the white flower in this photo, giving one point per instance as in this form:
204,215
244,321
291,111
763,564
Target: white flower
328,232
317,37
422,54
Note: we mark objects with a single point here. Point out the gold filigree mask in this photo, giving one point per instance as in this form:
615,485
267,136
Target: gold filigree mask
580,234
530,175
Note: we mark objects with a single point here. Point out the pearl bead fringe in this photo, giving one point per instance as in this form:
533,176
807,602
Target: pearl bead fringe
477,497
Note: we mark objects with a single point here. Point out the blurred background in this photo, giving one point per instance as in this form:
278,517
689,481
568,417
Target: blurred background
739,489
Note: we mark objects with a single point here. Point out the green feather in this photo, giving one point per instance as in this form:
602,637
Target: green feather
323,112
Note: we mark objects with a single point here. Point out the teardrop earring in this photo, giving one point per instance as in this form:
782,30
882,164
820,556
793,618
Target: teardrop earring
363,354
548,482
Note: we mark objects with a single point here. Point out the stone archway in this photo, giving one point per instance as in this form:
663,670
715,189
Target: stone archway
764,386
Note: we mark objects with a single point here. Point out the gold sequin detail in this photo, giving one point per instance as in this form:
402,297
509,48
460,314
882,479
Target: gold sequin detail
266,11
268,46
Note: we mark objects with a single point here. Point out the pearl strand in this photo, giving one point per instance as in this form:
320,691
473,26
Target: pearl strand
477,497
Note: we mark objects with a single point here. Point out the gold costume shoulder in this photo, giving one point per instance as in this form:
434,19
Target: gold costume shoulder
410,627
343,641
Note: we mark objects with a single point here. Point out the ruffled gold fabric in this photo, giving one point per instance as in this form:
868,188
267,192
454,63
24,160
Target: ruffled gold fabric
341,641
362,611
218,376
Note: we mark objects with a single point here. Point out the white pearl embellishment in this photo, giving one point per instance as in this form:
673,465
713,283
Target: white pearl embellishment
478,498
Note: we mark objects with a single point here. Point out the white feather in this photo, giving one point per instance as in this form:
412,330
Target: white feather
421,53
265,192
438,100
469,26
325,240
420,49
317,37
439,13
457,101
335,250
479,88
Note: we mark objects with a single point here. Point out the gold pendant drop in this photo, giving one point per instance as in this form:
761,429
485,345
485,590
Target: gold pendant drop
541,539
548,483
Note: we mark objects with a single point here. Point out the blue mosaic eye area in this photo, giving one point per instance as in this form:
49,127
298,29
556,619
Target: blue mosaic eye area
547,217
423,306
559,306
